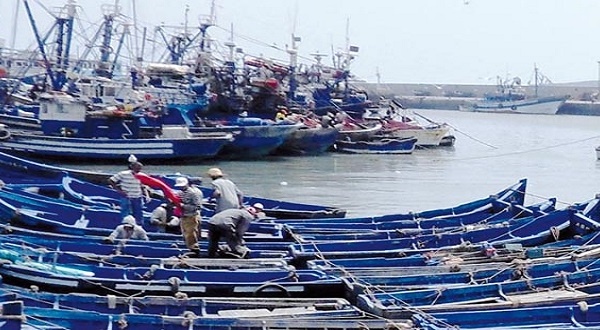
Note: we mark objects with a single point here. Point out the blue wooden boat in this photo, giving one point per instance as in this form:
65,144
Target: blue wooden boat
480,209
155,281
32,210
66,319
254,137
394,303
204,307
257,138
376,146
166,246
315,231
21,170
576,315
426,278
457,260
308,141
576,220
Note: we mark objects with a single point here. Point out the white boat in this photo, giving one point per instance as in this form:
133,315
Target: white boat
510,98
400,123
543,106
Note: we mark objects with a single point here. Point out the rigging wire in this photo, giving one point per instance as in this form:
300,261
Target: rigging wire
520,152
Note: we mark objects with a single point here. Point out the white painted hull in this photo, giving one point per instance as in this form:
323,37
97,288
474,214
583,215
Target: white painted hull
531,106
425,137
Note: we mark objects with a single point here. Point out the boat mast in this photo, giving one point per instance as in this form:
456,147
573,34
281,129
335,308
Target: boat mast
293,51
205,24
64,23
13,36
178,44
105,69
598,78
535,70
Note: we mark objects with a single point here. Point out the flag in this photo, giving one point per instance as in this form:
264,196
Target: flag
354,49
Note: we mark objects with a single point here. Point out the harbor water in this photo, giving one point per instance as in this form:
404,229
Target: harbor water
492,151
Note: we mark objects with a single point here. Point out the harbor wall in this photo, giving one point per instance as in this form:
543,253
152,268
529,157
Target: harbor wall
582,97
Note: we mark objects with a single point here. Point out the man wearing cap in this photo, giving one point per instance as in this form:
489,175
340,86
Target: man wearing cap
230,224
260,213
131,191
226,193
127,230
191,204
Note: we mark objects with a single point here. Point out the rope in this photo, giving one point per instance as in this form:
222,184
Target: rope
472,137
369,288
529,150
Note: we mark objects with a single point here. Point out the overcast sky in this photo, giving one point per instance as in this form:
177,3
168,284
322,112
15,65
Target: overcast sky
406,41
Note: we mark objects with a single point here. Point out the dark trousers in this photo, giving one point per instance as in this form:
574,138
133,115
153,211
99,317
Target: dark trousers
215,233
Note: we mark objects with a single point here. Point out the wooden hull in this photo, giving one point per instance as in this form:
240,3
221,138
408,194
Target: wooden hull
378,146
308,141
21,170
194,283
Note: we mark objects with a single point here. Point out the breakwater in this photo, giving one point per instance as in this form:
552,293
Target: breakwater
451,97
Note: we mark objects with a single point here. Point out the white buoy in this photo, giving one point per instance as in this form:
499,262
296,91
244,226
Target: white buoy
283,183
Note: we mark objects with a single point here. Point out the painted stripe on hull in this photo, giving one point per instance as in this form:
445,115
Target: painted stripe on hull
108,148
96,150
41,279
165,288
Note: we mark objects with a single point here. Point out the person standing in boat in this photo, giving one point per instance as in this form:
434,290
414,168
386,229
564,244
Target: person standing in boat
127,230
191,204
131,190
231,225
226,193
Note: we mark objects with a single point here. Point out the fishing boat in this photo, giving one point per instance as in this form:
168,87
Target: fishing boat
377,146
215,308
155,281
19,170
509,199
309,141
574,314
70,131
399,122
531,231
357,132
32,210
541,105
543,292
510,98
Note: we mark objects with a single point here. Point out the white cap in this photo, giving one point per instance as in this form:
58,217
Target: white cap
258,206
129,220
181,182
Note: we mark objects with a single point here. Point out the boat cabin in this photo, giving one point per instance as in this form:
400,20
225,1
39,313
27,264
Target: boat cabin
63,115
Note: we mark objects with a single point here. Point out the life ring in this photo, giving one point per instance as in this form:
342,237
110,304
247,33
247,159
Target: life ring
4,134
514,107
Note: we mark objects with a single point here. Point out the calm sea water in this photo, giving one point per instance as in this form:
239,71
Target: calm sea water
492,151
